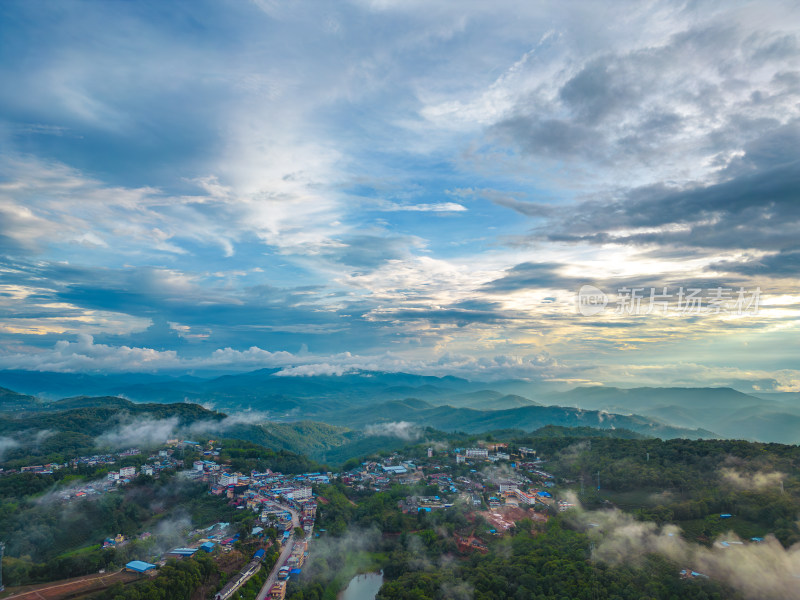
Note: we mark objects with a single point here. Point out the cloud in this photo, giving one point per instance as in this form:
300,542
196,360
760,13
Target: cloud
420,189
436,207
6,444
148,432
399,429
751,210
145,433
758,571
315,370
752,481
85,355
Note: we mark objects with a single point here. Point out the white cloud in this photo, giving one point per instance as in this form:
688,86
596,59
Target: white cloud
399,429
763,571
144,433
6,444
436,207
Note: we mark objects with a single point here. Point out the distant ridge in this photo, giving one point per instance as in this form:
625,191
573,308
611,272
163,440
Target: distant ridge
723,410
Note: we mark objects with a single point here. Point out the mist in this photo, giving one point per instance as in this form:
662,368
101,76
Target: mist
759,571
399,429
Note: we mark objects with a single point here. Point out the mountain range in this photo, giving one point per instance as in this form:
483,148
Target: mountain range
360,400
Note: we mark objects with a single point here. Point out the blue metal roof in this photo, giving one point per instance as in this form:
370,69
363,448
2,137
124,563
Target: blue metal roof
139,566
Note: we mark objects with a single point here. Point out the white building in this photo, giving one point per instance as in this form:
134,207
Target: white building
127,472
197,465
227,479
298,494
477,453
525,497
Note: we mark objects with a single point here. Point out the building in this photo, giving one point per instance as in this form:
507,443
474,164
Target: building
207,546
278,590
127,472
309,511
227,479
564,505
138,566
299,494
525,497
477,453
395,470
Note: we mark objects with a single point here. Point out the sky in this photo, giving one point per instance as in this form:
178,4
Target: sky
401,185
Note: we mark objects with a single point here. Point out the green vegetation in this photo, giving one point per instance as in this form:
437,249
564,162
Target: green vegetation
552,563
248,456
690,483
58,435
47,539
687,482
177,580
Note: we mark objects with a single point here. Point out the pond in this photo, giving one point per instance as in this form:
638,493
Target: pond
363,587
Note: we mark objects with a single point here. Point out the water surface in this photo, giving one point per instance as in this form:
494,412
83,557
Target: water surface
363,587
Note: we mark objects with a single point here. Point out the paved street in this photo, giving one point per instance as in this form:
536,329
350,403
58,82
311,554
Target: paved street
283,557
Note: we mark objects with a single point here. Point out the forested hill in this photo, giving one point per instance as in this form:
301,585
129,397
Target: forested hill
528,418
91,424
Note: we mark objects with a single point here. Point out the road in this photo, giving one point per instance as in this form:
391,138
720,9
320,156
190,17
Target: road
262,594
68,587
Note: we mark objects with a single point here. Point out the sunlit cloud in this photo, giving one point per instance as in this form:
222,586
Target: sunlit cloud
422,188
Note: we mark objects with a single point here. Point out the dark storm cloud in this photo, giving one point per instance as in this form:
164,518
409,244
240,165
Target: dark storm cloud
530,275
460,314
638,106
533,276
785,263
753,210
